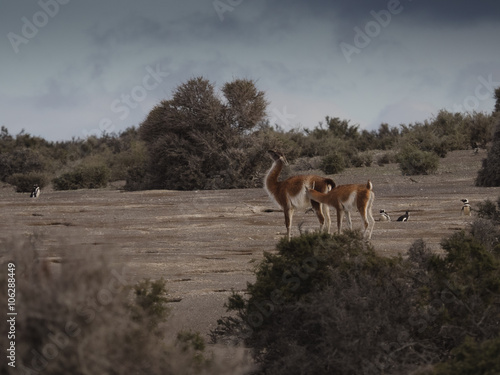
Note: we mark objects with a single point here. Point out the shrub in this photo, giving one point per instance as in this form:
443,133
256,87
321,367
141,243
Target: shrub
329,304
386,158
489,174
150,304
361,160
472,358
80,316
332,163
20,161
83,177
413,161
198,141
326,304
24,182
489,210
137,178
469,278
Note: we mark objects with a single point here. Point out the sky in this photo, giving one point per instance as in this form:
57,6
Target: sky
74,68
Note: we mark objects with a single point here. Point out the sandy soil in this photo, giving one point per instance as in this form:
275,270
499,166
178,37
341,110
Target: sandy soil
206,243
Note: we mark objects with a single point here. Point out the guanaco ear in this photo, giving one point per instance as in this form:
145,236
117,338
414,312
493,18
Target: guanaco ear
276,155
331,183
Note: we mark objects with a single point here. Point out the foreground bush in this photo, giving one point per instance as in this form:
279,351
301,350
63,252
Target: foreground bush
84,177
326,304
329,304
472,358
80,315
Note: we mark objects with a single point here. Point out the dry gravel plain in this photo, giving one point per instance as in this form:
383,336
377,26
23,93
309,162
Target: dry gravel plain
205,243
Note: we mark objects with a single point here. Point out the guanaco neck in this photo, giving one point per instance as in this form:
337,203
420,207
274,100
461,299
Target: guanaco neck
271,181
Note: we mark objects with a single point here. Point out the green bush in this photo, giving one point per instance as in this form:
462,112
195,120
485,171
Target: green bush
24,182
150,303
489,174
361,160
20,161
413,161
196,140
329,304
83,177
489,210
386,158
332,163
320,295
472,358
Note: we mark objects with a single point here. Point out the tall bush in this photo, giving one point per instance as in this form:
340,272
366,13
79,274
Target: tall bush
196,140
489,174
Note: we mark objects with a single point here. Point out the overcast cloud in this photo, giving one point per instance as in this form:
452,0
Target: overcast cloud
72,68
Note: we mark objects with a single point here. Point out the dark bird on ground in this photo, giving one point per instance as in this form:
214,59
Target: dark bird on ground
35,192
404,217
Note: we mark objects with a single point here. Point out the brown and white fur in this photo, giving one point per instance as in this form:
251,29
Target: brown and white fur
290,194
349,198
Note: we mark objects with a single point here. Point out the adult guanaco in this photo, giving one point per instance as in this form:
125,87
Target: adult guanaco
290,194
346,199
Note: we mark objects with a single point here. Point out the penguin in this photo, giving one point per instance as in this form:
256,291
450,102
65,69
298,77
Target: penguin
466,209
405,217
384,216
35,192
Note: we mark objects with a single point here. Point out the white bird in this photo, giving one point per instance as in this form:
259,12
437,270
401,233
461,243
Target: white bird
35,192
466,209
384,216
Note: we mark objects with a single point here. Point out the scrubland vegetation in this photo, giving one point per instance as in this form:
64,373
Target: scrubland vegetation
205,138
78,314
330,305
320,304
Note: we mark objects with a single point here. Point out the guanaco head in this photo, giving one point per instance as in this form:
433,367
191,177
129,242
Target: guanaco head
276,155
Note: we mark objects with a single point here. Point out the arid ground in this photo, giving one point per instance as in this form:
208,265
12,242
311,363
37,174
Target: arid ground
206,243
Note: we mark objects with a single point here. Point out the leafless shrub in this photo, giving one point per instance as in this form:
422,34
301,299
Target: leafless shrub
77,314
